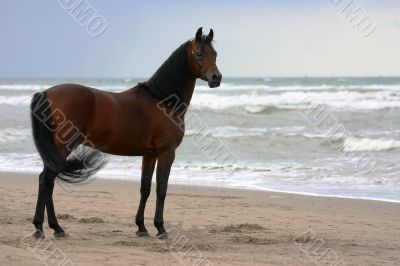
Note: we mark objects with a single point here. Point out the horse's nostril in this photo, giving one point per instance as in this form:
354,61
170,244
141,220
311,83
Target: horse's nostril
214,77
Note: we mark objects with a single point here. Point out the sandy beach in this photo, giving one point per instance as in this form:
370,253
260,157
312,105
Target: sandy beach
208,226
276,124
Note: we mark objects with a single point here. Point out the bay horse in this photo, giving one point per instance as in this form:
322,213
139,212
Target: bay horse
130,123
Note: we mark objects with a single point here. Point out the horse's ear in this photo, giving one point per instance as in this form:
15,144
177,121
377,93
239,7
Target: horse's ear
199,33
210,35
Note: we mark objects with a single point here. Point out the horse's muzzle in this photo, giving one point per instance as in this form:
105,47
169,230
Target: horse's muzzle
215,80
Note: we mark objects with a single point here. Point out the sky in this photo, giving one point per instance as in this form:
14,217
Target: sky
254,38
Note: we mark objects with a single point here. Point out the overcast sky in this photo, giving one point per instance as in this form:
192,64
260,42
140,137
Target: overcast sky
253,38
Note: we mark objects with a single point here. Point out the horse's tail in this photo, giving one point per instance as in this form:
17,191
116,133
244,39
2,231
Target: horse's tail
81,164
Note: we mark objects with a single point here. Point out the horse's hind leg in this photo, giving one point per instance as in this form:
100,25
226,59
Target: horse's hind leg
46,178
51,214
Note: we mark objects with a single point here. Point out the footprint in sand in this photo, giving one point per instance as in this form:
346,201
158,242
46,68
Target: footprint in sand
91,220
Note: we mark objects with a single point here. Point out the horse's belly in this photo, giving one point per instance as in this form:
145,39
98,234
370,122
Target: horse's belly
120,143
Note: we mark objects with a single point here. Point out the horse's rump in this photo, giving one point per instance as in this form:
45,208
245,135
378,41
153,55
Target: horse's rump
57,138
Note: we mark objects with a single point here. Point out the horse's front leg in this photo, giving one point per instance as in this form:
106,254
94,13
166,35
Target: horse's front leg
148,164
164,164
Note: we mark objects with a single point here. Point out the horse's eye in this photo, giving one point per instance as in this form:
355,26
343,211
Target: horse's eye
198,54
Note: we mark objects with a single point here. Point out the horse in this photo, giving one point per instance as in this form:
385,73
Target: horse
141,121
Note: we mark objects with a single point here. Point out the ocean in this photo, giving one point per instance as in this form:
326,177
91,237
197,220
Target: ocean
317,136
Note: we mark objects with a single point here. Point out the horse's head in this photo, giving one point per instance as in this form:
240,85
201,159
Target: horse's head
204,58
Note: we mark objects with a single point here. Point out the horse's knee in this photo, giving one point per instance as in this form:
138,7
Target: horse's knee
145,193
161,197
161,194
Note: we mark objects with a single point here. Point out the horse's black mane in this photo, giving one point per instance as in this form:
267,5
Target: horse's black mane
172,76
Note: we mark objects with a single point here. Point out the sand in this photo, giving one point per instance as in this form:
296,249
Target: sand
208,226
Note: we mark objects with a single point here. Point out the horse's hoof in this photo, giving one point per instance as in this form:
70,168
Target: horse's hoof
142,233
61,234
163,235
39,234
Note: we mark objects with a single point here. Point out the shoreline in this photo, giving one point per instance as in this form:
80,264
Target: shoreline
223,226
257,189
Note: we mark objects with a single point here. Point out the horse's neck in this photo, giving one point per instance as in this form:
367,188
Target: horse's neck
192,77
189,91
